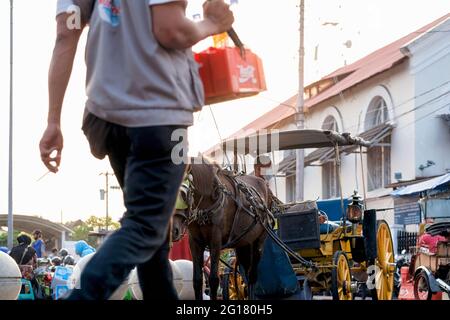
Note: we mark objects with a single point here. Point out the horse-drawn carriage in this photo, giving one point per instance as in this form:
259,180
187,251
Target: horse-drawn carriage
352,257
337,257
340,256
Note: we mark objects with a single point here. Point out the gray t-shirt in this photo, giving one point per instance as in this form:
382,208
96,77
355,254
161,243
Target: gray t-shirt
132,80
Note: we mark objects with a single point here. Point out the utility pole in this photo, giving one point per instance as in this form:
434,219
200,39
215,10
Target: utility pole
10,163
300,115
106,192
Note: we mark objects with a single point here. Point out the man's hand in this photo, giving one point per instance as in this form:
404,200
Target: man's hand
219,14
173,30
51,143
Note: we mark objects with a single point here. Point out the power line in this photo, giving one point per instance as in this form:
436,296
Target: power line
215,123
394,107
373,111
220,136
435,99
431,31
424,117
426,103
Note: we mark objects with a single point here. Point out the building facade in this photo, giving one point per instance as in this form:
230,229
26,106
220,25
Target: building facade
397,98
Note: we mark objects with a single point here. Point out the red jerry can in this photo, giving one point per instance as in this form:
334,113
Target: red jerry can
407,286
227,76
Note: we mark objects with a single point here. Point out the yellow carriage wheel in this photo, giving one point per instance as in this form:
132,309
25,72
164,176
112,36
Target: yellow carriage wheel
385,264
236,288
341,278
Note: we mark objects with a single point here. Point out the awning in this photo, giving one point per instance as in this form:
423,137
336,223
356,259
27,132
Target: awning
288,164
437,183
290,140
322,155
405,183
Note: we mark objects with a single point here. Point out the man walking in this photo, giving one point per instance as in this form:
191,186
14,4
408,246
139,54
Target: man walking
142,85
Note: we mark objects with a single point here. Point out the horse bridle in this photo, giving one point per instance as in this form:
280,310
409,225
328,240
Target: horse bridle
204,216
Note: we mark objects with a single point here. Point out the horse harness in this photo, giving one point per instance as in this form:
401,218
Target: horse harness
244,192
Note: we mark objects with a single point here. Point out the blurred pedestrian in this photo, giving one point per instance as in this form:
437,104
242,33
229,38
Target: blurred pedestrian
23,253
143,86
54,253
25,256
39,244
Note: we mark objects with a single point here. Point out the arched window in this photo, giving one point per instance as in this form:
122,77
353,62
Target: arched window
377,113
330,185
330,123
379,156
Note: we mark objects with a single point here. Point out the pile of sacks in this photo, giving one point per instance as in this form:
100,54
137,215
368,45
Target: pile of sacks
182,271
10,278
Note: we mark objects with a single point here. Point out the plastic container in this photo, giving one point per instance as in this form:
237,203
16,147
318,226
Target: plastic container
61,282
227,76
404,274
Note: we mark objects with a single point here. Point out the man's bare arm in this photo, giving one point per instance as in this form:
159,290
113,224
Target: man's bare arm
173,30
58,79
61,66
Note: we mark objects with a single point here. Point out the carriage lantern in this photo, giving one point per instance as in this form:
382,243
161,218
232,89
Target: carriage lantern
355,209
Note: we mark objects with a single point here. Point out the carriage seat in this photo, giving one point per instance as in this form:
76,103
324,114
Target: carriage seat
330,226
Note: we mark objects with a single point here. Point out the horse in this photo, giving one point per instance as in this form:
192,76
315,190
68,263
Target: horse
224,211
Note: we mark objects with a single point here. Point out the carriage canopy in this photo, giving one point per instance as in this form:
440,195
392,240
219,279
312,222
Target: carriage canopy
269,141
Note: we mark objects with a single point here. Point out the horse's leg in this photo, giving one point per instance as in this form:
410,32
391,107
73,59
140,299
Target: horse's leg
197,259
215,248
256,253
243,255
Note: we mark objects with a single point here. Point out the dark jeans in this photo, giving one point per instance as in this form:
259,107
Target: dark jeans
141,160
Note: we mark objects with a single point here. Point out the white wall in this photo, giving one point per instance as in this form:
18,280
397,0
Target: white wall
430,65
396,86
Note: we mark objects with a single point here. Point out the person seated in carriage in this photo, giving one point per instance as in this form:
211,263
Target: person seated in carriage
326,226
262,163
353,208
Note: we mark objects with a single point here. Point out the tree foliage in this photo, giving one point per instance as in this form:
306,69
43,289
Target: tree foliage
81,229
4,237
100,223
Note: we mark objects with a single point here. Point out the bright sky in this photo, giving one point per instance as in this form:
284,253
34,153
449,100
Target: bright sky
269,28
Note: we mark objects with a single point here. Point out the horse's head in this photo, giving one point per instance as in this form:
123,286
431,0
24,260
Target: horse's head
197,192
203,175
179,224
180,218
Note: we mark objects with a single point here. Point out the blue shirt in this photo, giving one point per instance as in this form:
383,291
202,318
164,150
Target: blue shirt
38,245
